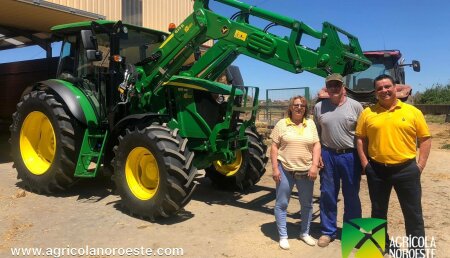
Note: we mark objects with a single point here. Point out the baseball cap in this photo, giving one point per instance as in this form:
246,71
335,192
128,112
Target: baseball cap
334,77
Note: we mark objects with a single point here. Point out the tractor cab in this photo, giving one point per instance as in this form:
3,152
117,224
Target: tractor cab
359,85
383,62
93,57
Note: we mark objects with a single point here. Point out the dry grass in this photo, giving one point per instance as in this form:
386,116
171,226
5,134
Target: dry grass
443,135
261,124
435,118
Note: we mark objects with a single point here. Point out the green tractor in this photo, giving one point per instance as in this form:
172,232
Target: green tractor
124,100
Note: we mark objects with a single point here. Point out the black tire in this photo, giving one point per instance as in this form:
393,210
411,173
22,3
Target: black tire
173,186
252,168
67,132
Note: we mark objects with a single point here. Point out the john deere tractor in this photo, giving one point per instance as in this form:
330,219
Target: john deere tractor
125,100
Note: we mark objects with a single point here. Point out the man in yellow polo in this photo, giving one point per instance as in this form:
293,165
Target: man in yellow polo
386,143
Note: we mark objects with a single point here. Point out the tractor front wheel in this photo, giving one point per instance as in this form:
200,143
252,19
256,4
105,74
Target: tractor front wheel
153,171
43,143
246,170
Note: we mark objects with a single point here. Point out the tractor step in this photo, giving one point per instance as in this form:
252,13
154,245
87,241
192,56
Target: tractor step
91,153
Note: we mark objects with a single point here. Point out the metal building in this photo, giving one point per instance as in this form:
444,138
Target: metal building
155,14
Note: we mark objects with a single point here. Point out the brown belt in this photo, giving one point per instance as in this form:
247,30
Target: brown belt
392,165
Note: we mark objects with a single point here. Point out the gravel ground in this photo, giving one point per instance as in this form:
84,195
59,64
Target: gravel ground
213,224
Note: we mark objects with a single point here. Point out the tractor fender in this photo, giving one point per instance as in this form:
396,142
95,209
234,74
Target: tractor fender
75,100
137,120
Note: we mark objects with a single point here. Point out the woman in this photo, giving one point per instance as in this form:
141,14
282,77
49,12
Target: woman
295,153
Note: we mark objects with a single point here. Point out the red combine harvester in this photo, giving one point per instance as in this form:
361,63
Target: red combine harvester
359,85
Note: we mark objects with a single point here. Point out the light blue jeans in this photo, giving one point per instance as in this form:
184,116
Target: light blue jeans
305,189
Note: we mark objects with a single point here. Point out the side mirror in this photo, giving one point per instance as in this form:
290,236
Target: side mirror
90,45
234,75
416,65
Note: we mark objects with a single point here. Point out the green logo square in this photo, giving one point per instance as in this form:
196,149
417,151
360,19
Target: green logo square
367,235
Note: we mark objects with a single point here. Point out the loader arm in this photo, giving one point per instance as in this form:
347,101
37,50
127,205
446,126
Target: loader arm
235,37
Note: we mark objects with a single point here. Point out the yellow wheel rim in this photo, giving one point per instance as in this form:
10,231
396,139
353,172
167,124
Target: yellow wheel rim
142,173
37,142
229,169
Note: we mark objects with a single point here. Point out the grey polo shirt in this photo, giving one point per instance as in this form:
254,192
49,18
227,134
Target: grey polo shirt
336,124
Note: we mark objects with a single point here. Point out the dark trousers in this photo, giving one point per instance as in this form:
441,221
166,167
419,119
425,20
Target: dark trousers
406,182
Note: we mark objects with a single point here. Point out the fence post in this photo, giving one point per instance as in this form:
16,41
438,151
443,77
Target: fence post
267,105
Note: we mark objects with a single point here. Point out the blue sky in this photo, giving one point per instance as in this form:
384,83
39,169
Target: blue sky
420,29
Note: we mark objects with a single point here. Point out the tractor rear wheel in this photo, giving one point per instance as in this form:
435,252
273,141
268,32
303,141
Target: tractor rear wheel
153,171
246,170
43,143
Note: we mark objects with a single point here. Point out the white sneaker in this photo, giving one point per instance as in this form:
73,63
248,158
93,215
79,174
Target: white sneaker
309,240
284,244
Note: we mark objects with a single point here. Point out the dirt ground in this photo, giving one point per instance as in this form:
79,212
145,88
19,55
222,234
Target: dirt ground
213,224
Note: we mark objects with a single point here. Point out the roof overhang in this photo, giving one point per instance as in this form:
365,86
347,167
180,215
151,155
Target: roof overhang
28,22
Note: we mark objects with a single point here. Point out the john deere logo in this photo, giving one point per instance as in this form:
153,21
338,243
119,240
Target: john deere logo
224,30
367,236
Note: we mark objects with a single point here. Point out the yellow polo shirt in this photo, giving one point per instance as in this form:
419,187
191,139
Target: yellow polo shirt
392,133
295,143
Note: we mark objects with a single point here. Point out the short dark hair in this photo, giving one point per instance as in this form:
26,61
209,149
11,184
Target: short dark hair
382,77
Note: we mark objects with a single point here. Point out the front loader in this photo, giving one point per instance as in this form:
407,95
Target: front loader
125,100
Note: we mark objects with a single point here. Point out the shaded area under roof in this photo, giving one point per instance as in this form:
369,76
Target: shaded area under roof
28,22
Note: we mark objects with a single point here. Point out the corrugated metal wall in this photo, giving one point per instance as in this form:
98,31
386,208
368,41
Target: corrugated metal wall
132,12
157,14
112,9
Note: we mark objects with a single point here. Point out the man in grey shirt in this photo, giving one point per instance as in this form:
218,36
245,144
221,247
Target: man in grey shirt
336,123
